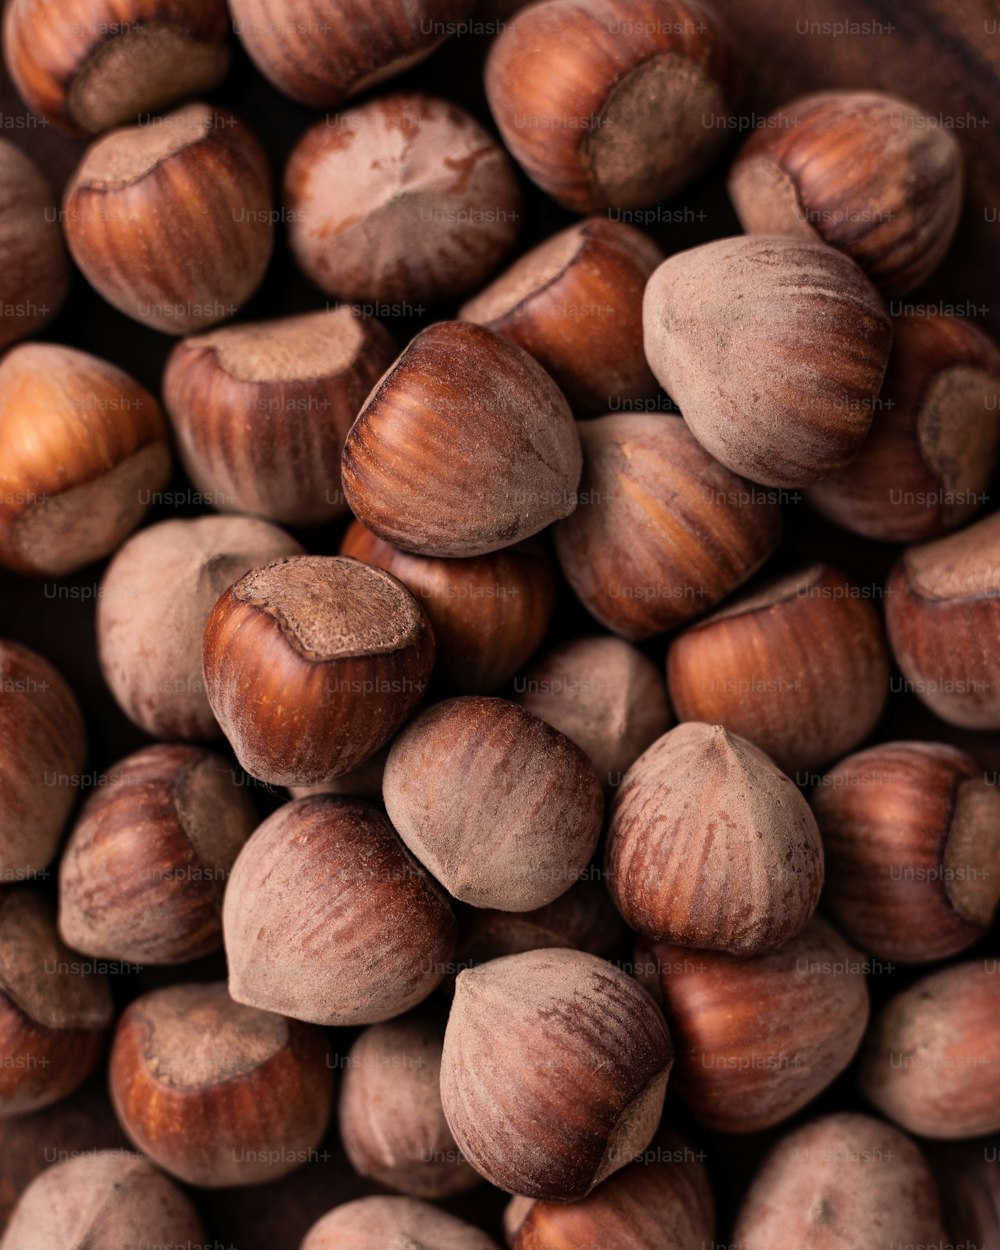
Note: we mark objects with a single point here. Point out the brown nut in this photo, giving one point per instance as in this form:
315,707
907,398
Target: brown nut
83,449
503,809
33,262
216,1093
431,472
862,171
774,349
311,664
173,223
662,532
400,200
798,666
604,102
327,918
393,1224
145,868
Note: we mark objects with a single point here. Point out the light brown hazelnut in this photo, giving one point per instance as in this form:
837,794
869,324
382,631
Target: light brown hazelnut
393,1224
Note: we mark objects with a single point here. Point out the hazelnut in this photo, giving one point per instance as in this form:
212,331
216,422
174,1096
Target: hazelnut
798,666
172,223
164,583
710,845
912,836
391,1119
865,172
44,749
774,349
554,1071
261,411
432,472
847,1181
575,303
216,1093
604,103
663,532
603,694
311,664
33,259
82,449
402,199
327,918
54,1012
144,871
757,1039
89,66
943,614
392,1223
934,447
489,613
102,1199
931,1060
503,809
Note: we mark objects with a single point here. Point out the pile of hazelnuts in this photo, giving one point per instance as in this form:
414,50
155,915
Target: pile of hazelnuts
520,844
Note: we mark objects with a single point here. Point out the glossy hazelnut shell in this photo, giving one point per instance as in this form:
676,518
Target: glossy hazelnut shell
33,261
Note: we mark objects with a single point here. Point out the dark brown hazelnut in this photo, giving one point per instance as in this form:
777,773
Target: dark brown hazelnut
164,583
575,303
489,613
261,411
431,472
503,809
403,199
216,1093
662,532
311,664
612,103
554,1071
393,1224
710,845
145,868
172,223
327,918
798,666
35,268
862,171
83,448
55,1012
774,350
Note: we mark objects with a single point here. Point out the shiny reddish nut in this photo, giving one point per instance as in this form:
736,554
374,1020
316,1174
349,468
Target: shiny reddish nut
710,845
393,1224
34,267
931,1059
55,1012
798,667
216,1093
604,102
261,411
198,169
783,389
327,918
311,664
323,57
102,1198
662,532
845,1181
757,1039
145,868
934,446
433,472
503,809
554,1071
942,610
489,613
83,449
862,171
912,836
164,583
43,747
575,303
401,200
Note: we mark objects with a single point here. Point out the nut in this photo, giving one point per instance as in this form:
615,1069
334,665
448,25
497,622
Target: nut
393,1224
33,259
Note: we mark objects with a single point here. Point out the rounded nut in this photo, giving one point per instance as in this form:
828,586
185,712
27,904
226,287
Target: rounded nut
393,1224
33,262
